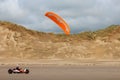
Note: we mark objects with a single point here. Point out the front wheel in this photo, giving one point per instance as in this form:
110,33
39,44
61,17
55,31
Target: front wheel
27,71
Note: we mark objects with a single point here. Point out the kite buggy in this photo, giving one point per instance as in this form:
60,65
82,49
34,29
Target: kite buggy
18,70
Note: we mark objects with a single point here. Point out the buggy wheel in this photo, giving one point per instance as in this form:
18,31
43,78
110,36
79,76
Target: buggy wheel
27,71
10,71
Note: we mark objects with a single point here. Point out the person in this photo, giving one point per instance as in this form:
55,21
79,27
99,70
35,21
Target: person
17,68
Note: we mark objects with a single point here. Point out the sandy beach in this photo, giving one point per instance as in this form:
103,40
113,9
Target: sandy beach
63,72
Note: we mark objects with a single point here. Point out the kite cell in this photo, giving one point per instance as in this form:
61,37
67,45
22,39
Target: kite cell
59,21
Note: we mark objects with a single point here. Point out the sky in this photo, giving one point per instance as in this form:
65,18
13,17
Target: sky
81,15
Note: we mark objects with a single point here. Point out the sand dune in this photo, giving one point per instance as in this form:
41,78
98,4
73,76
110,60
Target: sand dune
18,42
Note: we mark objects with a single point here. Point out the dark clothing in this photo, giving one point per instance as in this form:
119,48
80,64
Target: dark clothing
17,68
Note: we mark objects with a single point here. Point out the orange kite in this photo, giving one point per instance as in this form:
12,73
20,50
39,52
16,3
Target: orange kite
59,21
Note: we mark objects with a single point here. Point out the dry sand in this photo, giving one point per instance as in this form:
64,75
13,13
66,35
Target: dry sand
63,72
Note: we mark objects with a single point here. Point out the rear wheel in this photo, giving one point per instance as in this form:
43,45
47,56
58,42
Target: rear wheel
10,71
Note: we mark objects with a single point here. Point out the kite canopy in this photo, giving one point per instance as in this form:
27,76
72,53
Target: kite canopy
59,21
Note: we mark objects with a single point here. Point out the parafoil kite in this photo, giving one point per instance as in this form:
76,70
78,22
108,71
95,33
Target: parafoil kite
59,21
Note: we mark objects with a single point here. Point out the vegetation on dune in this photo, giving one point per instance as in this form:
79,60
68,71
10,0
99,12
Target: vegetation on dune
88,35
